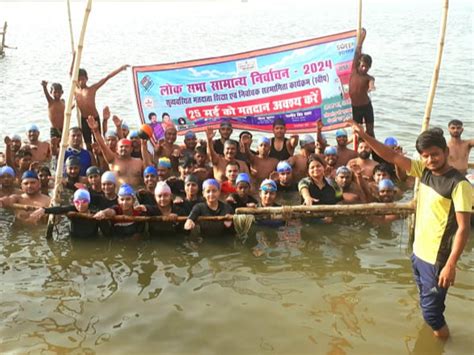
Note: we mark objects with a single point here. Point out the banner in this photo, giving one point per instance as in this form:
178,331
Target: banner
301,82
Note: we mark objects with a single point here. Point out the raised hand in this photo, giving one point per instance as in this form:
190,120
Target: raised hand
7,140
92,123
117,121
44,83
106,113
210,133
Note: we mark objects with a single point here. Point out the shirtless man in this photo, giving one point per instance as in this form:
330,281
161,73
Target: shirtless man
166,147
41,151
350,185
459,149
299,162
225,131
262,165
128,169
85,99
31,187
219,162
363,160
56,107
344,154
7,181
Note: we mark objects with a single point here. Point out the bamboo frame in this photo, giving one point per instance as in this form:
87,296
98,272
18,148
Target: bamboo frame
431,95
67,118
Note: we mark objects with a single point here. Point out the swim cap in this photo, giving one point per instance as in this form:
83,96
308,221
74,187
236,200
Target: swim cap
391,142
306,139
191,178
33,128
145,132
243,177
284,167
29,174
189,135
330,151
164,163
268,185
124,125
108,176
110,133
16,137
343,170
133,134
125,141
92,170
73,161
162,188
226,124
341,133
7,170
211,182
150,170
386,184
125,190
263,140
188,161
82,194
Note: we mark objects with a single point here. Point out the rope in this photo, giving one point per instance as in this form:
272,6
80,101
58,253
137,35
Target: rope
243,223
287,212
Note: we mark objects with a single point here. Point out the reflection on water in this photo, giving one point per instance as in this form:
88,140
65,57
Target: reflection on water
342,288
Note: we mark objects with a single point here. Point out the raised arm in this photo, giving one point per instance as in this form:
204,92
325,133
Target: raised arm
105,119
10,159
358,50
210,133
319,135
118,126
147,158
102,81
106,151
386,153
44,84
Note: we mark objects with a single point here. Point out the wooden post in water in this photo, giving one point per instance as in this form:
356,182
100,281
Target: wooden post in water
2,44
359,30
431,95
67,120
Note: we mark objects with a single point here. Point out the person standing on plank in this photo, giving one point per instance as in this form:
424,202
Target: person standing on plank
360,84
85,99
442,219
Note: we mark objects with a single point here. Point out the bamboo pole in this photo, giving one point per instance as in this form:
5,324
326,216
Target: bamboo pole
431,95
355,138
71,34
67,119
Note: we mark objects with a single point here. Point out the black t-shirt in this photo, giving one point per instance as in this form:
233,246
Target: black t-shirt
145,197
79,227
177,186
241,203
187,205
326,195
164,228
287,188
211,228
126,229
100,202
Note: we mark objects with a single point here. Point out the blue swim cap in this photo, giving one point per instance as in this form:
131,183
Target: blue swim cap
150,170
343,170
243,177
391,142
330,151
111,133
125,190
268,185
108,176
284,167
29,174
386,184
264,140
133,134
306,139
82,194
16,137
7,170
211,182
124,125
164,163
34,128
189,134
341,133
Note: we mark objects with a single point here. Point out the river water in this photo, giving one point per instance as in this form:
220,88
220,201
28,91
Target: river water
334,289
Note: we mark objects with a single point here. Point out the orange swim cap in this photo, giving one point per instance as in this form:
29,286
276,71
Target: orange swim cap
147,130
